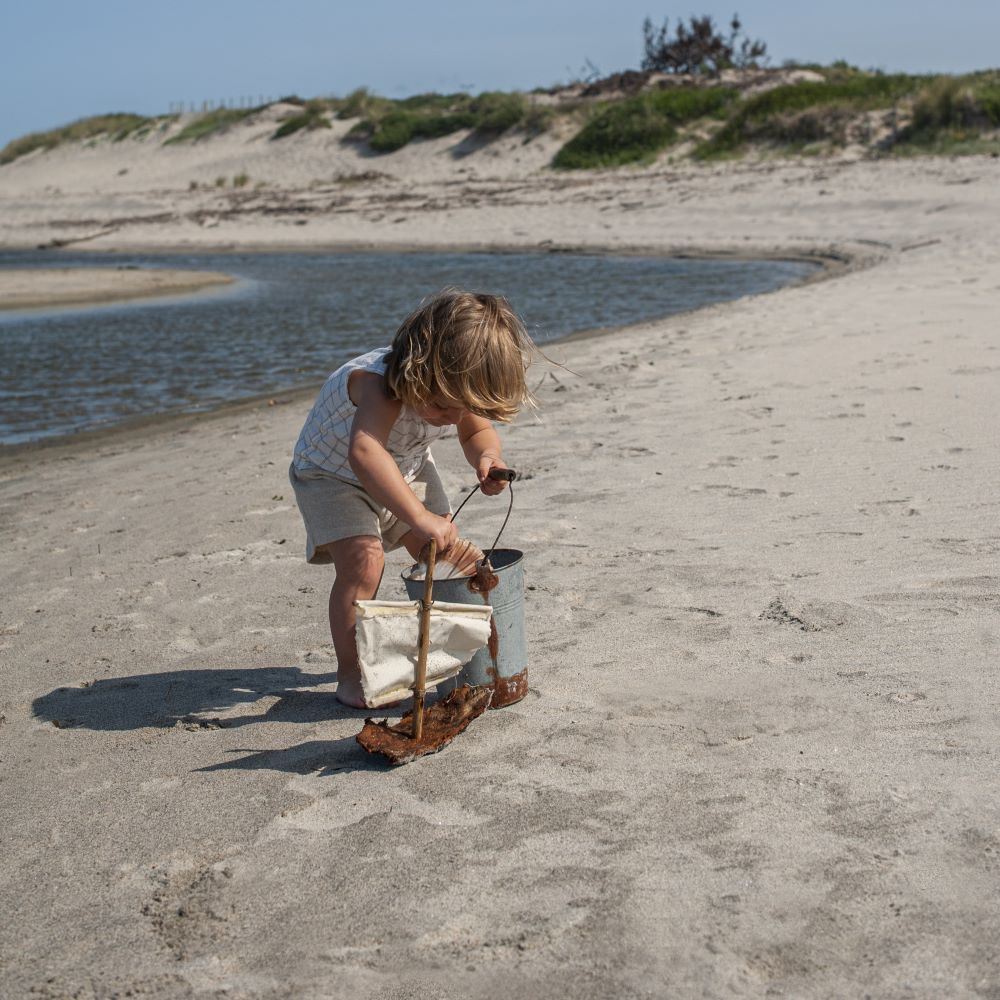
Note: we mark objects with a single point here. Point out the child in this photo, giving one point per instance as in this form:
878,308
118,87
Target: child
363,474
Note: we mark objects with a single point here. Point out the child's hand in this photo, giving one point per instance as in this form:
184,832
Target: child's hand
491,487
439,528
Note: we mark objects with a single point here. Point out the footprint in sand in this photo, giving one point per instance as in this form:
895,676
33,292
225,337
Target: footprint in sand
316,655
888,508
777,612
817,616
967,546
734,492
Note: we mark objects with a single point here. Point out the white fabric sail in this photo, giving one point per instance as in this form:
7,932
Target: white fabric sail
388,637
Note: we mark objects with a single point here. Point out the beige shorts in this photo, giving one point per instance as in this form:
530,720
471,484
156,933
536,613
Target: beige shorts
334,508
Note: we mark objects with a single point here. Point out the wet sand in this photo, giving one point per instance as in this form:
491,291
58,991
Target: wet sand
51,287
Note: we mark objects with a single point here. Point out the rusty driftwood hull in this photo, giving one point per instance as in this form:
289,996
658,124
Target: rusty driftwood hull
443,721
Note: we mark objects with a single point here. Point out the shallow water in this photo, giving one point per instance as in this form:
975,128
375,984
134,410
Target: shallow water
293,318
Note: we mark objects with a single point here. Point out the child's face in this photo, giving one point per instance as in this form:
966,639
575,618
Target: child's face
439,413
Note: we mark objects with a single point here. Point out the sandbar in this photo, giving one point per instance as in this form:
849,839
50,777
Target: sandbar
43,287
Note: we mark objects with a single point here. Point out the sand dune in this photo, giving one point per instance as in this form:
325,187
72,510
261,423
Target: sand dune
758,755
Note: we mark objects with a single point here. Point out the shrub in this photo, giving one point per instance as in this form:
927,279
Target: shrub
433,126
392,125
628,132
806,112
688,104
634,130
358,103
796,129
698,47
494,112
312,117
954,116
392,132
241,180
954,108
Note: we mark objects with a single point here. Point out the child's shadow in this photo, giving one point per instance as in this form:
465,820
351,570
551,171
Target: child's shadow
187,698
316,757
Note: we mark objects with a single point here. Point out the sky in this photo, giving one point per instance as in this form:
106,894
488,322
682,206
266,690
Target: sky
61,60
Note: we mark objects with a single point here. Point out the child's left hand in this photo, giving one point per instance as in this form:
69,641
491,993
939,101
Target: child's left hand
491,487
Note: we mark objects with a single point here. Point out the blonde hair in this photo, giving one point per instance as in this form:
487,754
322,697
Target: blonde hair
465,349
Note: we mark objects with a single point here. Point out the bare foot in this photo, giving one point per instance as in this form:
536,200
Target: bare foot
349,692
349,701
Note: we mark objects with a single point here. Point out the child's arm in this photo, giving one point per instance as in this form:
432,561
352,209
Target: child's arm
481,445
375,468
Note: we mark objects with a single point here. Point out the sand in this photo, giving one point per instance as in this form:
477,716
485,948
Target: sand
758,753
37,287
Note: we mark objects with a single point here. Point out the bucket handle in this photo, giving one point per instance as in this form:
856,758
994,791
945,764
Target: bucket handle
509,475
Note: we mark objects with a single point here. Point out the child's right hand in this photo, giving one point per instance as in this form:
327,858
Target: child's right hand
441,529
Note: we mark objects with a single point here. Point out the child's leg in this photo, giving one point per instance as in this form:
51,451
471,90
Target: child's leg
359,562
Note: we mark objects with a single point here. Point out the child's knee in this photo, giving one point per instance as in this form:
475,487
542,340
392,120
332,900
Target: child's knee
358,561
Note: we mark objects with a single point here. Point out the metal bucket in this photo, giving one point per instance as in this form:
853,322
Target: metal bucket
503,664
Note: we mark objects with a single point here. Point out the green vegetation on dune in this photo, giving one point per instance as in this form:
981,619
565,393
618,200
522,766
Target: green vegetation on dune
314,115
390,125
918,114
632,117
797,114
212,123
951,114
635,129
495,112
114,126
359,103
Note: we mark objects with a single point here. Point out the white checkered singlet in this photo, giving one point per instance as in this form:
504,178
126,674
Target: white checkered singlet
324,440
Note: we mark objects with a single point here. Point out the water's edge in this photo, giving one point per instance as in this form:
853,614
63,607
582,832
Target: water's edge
830,261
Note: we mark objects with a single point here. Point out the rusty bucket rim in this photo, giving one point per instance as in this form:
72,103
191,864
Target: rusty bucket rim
519,555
